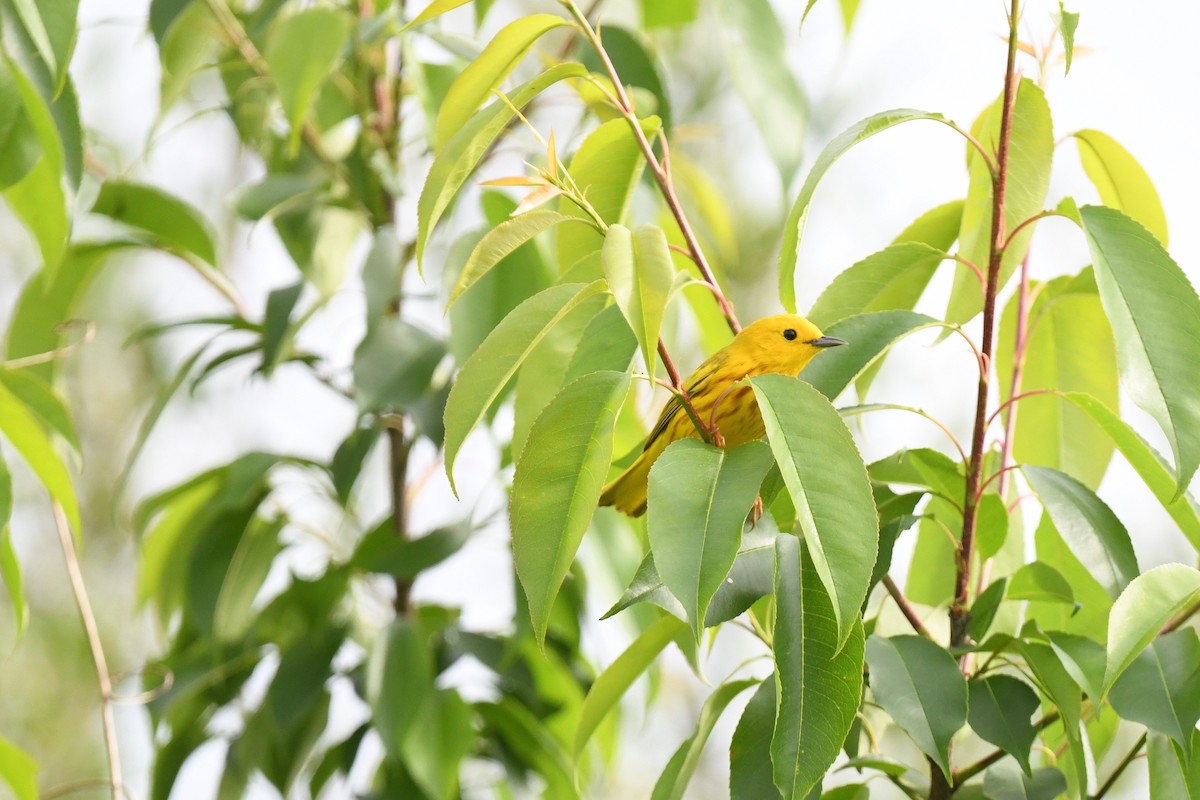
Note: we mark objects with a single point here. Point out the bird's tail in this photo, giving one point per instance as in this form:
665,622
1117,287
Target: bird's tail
627,491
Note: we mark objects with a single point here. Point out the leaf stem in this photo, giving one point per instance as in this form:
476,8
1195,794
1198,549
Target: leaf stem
906,607
966,773
96,646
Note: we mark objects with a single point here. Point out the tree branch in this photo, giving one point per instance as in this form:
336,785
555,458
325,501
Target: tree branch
906,607
1125,762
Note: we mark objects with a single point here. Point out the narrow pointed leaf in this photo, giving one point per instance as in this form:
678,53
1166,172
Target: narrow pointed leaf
828,485
640,273
18,771
495,362
28,438
920,685
1064,693
434,9
1067,22
557,484
890,279
301,52
818,679
674,780
1155,315
475,83
501,241
750,772
1121,181
1161,688
869,336
1146,605
1001,712
18,139
170,222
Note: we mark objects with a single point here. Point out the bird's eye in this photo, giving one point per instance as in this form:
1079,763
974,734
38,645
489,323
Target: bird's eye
790,334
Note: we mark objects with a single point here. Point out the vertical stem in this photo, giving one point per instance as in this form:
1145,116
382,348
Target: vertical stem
399,448
79,590
966,549
1125,762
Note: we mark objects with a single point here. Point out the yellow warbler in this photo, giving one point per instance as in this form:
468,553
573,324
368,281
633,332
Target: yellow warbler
782,344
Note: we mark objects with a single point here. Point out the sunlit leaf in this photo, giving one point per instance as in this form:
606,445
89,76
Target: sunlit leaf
869,336
892,278
18,770
1161,687
1067,22
640,274
1121,181
434,9
27,437
1149,602
169,221
301,52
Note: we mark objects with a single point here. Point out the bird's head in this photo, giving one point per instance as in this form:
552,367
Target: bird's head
783,344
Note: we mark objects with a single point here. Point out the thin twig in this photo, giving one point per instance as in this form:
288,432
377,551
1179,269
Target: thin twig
963,775
905,606
1125,762
1175,624
96,646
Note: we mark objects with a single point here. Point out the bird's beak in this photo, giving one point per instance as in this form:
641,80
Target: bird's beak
827,341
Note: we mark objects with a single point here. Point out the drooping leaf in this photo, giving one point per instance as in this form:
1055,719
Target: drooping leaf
818,678
170,222
699,498
1148,603
494,363
1155,315
557,484
1063,692
1174,772
674,780
869,336
1094,533
394,364
1002,782
793,231
1067,22
1001,710
1030,153
750,773
1161,687
256,551
890,279
301,52
1038,580
399,680
1121,181
639,271
18,770
28,438
18,139
828,485
473,85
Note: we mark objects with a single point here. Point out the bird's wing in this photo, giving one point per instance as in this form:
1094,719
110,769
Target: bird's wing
696,386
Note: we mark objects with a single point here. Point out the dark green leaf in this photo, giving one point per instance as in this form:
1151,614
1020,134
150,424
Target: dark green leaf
1001,710
1040,581
1149,602
1002,782
750,772
18,139
50,26
381,550
394,365
276,324
1174,774
674,780
869,336
1161,688
399,681
348,460
983,611
256,551
433,750
276,194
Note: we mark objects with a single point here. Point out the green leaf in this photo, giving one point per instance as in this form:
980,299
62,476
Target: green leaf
18,138
187,43
828,484
1147,604
1063,693
50,26
869,337
750,773
1040,581
302,50
607,343
1121,181
27,437
434,9
513,724
10,572
1081,657
557,484
1090,616
278,194
433,750
494,363
455,162
703,494
628,53
500,242
606,167
793,231
1089,526
1161,688
347,462
256,551
1001,710
380,551
1146,462
983,611
1155,315
276,319
610,686
18,770
1069,348
818,677
755,47
475,83
1031,151
674,780
891,279
991,525
1002,782
1174,775
1066,21
640,274
41,399
399,681
656,14
920,686
170,222
394,365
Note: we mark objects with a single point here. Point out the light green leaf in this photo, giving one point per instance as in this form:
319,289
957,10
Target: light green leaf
170,222
500,242
1146,462
302,50
1174,775
475,83
1039,581
869,337
10,567
434,750
1069,348
1095,535
1002,782
557,484
699,498
434,9
1083,658
189,43
45,403
890,279
750,773
828,484
455,161
394,364
606,167
640,274
1121,181
755,47
674,780
657,14
1146,605
1030,154
26,435
610,686
18,770
486,373
1066,21
818,679
1090,616
1155,315
399,680
793,231
18,139
919,684
50,26
1161,688
1001,712
256,551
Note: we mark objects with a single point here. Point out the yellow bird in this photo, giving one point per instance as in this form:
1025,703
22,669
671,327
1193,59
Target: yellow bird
782,344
